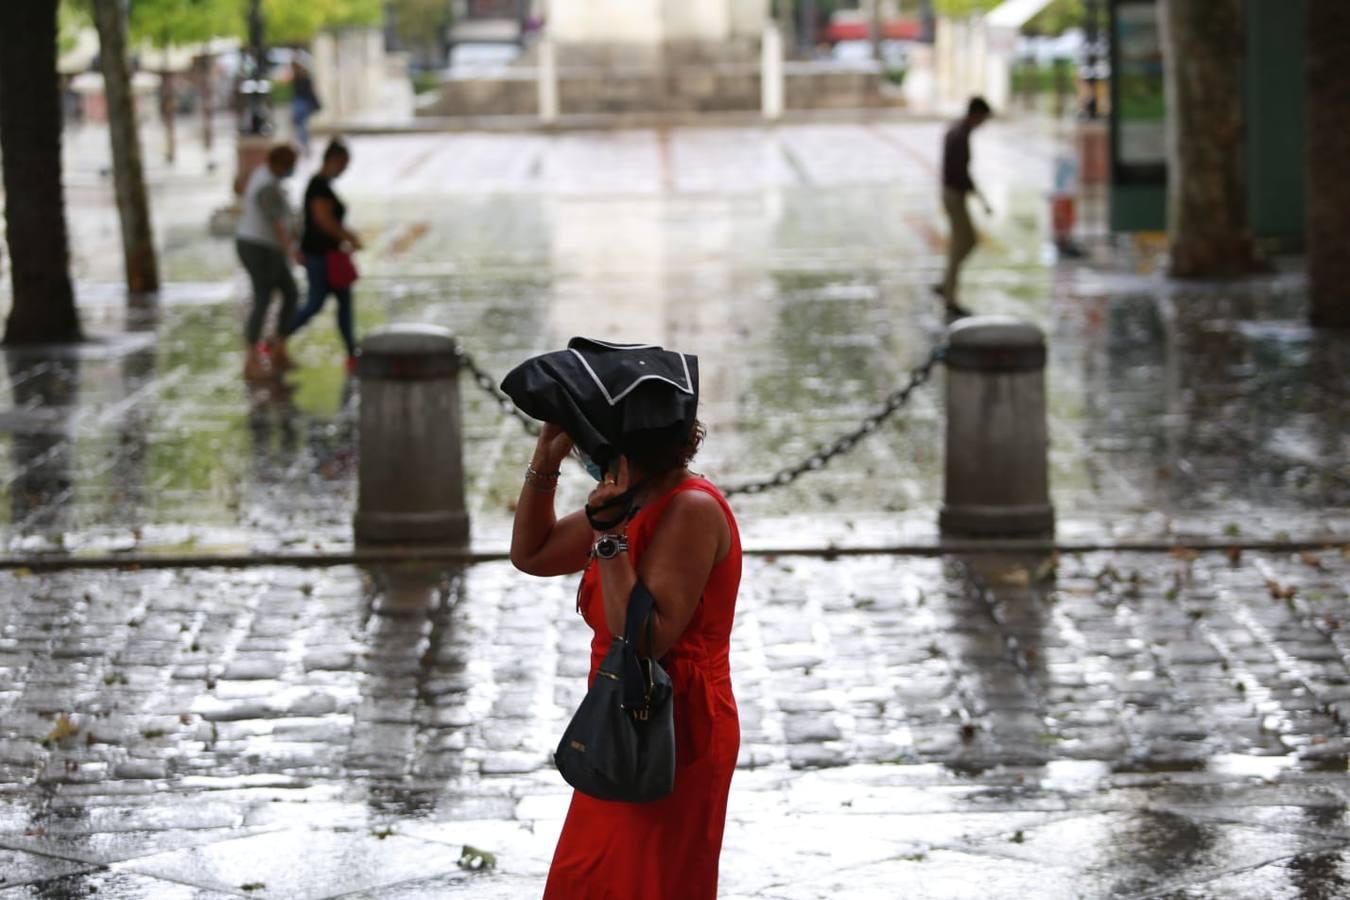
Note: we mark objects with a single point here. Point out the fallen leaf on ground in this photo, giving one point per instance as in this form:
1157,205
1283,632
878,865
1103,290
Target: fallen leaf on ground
1311,559
1280,591
64,728
472,858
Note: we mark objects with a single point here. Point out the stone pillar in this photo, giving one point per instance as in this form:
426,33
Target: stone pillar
996,469
771,72
548,80
411,470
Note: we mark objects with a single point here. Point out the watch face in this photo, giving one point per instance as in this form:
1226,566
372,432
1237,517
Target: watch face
607,547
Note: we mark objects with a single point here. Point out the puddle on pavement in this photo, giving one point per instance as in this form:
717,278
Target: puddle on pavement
804,314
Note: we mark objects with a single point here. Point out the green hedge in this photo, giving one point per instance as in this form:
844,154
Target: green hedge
1042,78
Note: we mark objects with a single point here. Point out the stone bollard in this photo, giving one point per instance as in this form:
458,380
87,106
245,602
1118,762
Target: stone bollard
771,72
996,478
411,470
547,67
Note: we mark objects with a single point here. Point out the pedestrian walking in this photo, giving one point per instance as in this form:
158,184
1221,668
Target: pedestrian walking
957,185
304,103
629,413
265,242
327,246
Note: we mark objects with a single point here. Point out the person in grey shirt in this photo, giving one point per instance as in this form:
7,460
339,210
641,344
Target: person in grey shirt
265,242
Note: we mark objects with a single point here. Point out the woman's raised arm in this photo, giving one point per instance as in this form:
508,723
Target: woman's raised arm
541,543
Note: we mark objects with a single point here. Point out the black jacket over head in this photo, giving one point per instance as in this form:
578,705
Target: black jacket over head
601,393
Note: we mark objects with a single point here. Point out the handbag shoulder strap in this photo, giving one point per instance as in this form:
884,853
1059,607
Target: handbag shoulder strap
640,603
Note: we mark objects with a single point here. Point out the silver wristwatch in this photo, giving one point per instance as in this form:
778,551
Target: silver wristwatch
608,546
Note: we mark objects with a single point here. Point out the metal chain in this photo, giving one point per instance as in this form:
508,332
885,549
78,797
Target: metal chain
813,463
489,386
843,444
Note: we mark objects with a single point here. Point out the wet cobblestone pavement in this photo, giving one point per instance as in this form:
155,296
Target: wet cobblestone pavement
797,262
1108,724
1105,726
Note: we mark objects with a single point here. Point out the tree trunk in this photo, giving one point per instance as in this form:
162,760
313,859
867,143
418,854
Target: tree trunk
787,25
167,112
806,38
874,27
1207,225
208,106
43,309
138,245
1328,149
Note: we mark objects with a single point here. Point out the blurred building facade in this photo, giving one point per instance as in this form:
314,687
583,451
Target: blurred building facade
666,57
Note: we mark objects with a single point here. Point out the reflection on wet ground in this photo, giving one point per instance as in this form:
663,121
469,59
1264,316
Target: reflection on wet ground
1104,725
806,294
1099,725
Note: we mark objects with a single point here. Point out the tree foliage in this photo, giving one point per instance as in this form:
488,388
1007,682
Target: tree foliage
956,9
290,22
419,23
1057,18
181,22
165,22
72,18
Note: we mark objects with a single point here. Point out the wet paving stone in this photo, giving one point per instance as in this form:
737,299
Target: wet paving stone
298,863
1106,724
103,885
1062,705
1176,409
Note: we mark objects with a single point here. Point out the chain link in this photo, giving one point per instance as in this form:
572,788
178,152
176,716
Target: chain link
489,386
813,463
846,442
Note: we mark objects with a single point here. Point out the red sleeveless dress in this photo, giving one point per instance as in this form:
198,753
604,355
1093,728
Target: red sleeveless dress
667,849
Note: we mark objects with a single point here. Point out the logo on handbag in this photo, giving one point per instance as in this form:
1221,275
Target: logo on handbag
577,746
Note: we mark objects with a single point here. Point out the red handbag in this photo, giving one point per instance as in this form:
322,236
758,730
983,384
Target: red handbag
341,269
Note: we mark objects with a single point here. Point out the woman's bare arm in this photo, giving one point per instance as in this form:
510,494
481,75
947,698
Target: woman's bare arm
541,543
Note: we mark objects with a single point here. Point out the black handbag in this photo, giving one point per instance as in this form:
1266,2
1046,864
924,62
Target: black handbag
620,744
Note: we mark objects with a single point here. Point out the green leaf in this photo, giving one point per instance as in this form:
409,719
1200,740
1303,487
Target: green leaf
473,858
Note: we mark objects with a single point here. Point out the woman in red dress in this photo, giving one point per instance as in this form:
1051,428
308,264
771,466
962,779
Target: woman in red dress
683,544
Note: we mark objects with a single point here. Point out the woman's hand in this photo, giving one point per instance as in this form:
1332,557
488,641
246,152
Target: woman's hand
540,543
610,487
554,444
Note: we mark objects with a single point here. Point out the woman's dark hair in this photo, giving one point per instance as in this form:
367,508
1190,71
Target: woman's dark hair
336,149
659,450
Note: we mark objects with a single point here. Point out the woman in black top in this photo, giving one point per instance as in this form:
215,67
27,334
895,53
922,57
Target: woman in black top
323,233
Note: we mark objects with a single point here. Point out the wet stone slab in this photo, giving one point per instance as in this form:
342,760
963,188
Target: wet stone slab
1098,725
1130,706
110,885
1174,408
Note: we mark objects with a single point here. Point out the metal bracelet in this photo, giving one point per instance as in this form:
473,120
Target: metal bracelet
544,482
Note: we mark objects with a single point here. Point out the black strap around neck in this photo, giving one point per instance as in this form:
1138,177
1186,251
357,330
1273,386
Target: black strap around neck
620,509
